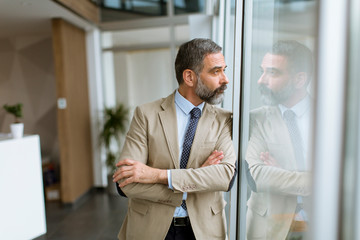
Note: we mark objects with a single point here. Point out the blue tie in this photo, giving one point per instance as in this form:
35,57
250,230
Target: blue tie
188,140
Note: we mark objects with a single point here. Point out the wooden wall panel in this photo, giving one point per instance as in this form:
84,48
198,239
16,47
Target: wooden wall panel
74,121
84,8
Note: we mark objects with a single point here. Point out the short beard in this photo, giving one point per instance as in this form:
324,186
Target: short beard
209,96
272,98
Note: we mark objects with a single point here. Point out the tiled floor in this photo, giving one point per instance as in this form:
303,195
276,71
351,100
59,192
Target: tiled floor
98,218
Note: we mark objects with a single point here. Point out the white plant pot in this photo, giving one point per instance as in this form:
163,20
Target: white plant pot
17,130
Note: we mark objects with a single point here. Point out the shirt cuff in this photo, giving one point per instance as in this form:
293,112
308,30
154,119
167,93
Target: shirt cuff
169,179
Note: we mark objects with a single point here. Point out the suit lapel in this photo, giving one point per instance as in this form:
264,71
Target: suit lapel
202,130
167,119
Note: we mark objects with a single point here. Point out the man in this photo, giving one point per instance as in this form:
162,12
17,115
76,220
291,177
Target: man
174,189
278,145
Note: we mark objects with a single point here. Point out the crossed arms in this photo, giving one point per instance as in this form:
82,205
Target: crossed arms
131,171
142,173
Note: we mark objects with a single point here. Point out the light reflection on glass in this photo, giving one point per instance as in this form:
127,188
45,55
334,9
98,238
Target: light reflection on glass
280,69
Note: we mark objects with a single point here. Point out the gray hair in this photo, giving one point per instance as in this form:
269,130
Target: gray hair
300,57
191,56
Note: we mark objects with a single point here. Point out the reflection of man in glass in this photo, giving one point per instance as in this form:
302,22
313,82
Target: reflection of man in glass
277,149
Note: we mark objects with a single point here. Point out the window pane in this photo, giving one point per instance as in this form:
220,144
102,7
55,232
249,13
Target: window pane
113,10
278,69
351,181
189,6
151,7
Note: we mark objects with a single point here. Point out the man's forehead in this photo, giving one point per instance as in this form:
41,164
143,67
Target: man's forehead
215,59
274,61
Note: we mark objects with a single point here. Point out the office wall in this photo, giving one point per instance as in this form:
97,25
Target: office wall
69,43
27,76
138,68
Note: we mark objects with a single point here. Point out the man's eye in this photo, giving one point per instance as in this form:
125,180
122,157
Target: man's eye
273,72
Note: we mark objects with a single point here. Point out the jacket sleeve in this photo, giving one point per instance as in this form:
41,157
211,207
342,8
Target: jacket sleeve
136,148
265,178
211,178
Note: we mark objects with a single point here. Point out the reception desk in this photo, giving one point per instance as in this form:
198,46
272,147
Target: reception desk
22,207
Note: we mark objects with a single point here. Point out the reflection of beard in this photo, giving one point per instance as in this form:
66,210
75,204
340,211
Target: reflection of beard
209,96
270,97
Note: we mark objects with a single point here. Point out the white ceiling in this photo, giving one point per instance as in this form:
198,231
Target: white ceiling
22,17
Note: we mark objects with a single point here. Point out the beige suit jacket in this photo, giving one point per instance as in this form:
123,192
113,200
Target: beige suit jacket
152,139
271,206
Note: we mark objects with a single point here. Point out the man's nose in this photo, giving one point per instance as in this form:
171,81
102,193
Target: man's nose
262,79
224,79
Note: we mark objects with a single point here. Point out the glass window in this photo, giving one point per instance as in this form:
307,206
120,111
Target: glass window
189,6
149,7
351,181
277,98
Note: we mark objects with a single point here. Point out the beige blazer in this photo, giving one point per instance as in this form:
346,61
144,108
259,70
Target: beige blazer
152,139
271,206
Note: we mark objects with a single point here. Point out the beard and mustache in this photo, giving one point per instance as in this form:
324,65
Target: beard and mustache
212,97
270,97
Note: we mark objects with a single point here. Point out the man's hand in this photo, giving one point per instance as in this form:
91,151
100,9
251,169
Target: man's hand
214,158
268,159
131,171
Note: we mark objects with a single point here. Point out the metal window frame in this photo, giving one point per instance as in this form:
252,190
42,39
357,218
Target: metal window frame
328,139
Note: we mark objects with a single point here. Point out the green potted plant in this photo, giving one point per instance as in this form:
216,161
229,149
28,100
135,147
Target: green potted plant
115,120
17,128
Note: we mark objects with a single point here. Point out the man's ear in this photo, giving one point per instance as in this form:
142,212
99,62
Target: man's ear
301,80
189,77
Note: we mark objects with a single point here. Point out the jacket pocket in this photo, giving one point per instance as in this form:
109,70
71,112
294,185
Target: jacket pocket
218,207
256,204
139,206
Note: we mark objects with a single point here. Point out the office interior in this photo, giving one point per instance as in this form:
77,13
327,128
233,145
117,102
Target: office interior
69,60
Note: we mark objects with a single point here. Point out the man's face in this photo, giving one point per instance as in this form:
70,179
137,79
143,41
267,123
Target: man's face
276,83
212,80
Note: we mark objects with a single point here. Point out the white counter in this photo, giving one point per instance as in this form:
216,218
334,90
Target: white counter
22,207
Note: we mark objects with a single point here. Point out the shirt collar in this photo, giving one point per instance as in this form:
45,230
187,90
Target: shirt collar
185,105
300,108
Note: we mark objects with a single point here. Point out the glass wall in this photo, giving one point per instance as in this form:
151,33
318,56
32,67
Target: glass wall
277,113
189,6
147,7
350,218
113,10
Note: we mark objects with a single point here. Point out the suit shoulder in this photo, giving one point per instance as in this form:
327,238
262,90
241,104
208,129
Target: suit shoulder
222,112
263,113
152,107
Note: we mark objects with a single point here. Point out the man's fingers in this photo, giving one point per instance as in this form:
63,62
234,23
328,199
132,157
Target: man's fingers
214,158
126,182
125,161
122,169
123,172
216,155
217,159
122,176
